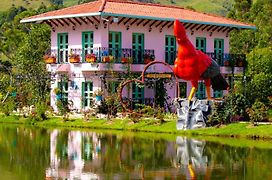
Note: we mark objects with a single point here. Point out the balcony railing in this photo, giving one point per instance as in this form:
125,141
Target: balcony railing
100,55
231,60
136,56
222,59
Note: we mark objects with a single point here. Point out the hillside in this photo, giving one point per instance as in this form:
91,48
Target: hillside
209,6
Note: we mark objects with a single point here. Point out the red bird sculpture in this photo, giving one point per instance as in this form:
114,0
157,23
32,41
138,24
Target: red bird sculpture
193,65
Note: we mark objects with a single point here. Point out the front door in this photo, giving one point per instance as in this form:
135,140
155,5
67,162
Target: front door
219,50
115,45
63,47
87,94
137,48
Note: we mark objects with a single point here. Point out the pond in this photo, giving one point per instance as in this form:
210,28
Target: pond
37,153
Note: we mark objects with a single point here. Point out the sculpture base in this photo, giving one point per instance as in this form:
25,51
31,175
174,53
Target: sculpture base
192,114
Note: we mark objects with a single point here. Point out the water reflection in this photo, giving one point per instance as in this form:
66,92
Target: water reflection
190,157
80,146
63,154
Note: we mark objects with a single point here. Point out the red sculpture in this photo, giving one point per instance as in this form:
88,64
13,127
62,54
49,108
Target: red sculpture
193,65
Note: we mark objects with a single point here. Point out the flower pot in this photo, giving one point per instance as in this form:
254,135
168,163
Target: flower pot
91,59
74,60
226,63
98,98
50,60
147,60
106,59
124,60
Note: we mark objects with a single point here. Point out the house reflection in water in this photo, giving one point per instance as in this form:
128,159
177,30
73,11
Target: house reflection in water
72,167
89,155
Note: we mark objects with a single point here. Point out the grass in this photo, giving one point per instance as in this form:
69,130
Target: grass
241,130
6,4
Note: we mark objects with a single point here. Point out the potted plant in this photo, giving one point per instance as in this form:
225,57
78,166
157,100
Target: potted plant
90,58
74,58
226,63
148,58
107,59
125,60
98,94
49,59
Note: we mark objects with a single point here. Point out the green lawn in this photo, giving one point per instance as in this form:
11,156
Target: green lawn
243,130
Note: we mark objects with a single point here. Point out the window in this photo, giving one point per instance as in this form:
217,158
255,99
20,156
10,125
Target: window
115,45
137,48
87,93
201,44
87,43
200,94
62,47
219,50
170,49
182,89
63,86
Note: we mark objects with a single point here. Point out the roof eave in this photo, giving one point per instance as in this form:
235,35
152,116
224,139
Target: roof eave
59,17
182,20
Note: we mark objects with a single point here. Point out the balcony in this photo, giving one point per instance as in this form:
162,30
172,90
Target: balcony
228,60
101,55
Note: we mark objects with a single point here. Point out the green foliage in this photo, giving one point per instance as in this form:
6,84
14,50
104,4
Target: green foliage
232,109
217,115
259,60
258,112
259,75
259,14
113,104
63,109
235,107
39,113
8,106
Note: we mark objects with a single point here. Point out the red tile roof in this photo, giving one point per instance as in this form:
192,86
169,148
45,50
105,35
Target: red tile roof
124,8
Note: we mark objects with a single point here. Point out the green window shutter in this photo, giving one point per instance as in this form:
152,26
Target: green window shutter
170,49
219,50
82,94
62,47
201,44
218,94
138,48
87,43
115,45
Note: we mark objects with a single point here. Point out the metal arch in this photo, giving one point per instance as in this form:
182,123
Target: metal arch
142,82
167,65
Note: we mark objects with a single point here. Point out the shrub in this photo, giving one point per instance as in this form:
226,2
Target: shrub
40,111
258,112
7,107
63,109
